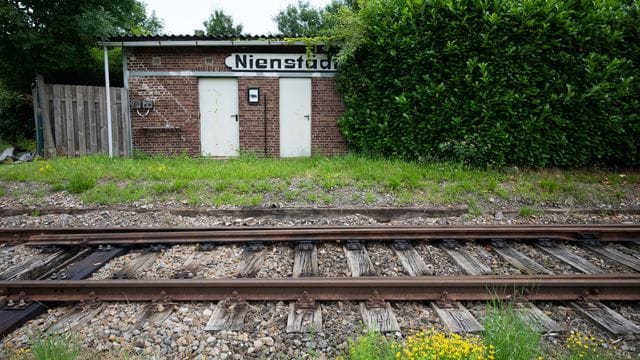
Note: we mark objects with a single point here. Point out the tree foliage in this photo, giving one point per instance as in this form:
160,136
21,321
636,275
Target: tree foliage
221,24
494,82
304,20
40,37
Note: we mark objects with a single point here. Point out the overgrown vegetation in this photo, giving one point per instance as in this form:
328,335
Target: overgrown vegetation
371,345
509,335
506,335
348,180
533,83
65,347
55,347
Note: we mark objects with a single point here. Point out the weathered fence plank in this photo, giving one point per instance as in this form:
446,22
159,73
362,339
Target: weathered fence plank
91,117
82,140
78,119
102,116
70,124
57,119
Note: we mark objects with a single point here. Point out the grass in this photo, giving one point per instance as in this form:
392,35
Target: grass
245,180
371,345
55,347
528,212
2,191
512,337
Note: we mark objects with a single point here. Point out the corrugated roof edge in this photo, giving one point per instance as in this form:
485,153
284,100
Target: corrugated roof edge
197,40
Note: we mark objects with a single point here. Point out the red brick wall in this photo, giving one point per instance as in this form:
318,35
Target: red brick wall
173,125
326,109
252,117
176,107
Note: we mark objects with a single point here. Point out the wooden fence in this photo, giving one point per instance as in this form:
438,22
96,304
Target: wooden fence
78,119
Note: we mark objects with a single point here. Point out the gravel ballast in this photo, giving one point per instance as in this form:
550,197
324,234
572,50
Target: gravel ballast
121,327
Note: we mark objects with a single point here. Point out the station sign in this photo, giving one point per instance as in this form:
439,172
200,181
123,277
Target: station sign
280,62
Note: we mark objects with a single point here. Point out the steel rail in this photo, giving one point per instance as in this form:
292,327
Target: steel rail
618,287
227,235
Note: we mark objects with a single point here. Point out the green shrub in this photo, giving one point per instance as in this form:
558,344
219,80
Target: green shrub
16,117
524,82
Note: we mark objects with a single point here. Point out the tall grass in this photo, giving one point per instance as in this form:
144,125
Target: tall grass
511,337
55,347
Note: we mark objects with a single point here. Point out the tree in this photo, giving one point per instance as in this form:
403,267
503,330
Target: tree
299,20
41,37
220,24
56,40
304,20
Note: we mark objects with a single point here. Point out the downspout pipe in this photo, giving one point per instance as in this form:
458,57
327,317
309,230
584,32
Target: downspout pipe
108,99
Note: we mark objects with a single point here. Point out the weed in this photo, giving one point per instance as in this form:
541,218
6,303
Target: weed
371,345
474,208
55,347
370,198
290,195
529,212
169,187
509,334
2,191
57,186
326,199
255,200
587,347
80,183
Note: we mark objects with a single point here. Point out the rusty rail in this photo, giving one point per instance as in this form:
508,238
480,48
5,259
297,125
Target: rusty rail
617,287
229,235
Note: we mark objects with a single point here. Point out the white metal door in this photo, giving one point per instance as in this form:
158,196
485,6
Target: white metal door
219,127
295,117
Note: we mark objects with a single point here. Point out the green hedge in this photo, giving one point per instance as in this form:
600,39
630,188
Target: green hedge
520,82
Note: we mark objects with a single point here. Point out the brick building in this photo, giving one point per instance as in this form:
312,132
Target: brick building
218,97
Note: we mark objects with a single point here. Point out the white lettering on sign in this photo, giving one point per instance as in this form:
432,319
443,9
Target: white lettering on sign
280,62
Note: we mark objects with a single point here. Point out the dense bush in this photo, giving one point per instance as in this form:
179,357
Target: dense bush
494,82
14,109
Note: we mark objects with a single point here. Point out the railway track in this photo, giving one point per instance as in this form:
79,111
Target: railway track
592,270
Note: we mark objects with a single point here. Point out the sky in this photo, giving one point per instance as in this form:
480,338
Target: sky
256,16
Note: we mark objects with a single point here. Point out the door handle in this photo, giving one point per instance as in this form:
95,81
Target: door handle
307,117
235,116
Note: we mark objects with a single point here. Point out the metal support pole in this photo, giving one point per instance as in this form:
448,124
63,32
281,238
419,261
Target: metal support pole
108,96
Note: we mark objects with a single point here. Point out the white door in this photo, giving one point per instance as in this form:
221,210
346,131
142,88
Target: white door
295,117
219,127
